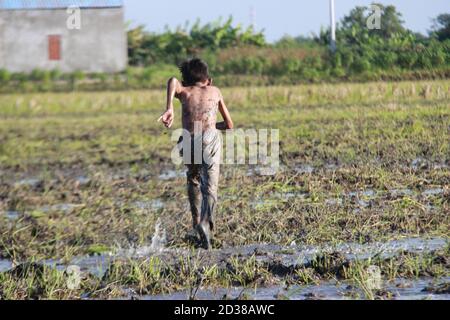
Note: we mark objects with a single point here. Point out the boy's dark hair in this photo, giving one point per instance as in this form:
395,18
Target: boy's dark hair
193,71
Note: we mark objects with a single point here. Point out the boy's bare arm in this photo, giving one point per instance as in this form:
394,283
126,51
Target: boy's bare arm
174,88
227,124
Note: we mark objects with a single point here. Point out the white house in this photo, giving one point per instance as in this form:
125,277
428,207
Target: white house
67,35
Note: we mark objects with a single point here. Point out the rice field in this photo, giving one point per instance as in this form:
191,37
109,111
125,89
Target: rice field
358,210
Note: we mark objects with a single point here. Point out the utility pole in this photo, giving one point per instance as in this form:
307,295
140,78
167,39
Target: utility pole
333,27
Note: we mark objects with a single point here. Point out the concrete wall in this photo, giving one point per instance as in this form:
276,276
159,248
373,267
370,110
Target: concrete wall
99,46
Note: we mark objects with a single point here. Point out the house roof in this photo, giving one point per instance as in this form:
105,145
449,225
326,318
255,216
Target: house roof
57,4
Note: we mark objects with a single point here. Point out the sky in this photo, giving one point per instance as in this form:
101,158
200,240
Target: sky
276,17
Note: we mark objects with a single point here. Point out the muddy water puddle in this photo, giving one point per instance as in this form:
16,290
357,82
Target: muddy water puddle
415,165
400,289
421,163
84,178
295,255
10,215
172,175
363,198
62,207
433,192
28,182
154,204
299,255
286,257
256,170
5,265
95,265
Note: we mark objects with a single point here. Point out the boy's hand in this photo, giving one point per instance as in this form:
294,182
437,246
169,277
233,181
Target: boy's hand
167,118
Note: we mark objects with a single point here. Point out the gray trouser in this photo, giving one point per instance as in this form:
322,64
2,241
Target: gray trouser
203,180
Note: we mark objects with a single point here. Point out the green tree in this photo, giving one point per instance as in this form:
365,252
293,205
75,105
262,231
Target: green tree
354,25
5,76
136,52
441,28
146,48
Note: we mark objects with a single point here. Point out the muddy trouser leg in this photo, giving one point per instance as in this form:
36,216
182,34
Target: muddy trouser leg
194,191
210,178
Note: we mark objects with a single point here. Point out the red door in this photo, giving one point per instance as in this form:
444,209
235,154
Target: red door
54,47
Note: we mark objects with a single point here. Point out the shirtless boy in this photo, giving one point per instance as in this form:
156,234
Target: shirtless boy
201,140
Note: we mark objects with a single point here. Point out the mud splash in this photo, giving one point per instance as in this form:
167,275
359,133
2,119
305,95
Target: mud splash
159,239
97,265
157,246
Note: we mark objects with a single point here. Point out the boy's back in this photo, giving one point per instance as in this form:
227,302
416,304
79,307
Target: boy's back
200,105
